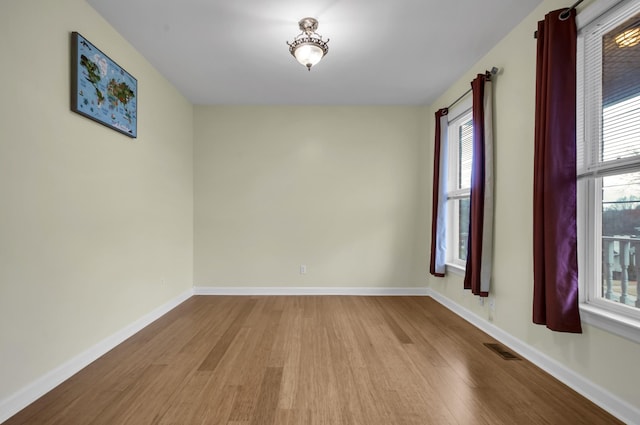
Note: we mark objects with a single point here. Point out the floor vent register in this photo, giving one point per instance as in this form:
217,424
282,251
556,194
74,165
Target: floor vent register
502,351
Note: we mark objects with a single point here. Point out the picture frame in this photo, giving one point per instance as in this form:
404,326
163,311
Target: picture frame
102,90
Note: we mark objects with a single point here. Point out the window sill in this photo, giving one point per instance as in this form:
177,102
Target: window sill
455,269
612,322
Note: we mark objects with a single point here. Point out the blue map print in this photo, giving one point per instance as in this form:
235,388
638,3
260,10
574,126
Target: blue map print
105,91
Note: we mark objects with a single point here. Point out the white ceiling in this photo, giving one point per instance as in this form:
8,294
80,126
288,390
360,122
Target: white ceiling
382,52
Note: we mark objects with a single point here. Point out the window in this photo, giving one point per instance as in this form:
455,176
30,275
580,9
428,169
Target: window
459,190
609,167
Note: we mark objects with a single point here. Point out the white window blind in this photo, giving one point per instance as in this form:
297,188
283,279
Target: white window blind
465,150
612,95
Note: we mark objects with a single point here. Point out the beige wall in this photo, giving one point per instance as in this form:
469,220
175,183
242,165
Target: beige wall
92,222
605,359
335,188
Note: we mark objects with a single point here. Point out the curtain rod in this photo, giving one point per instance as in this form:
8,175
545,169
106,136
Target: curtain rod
493,71
564,15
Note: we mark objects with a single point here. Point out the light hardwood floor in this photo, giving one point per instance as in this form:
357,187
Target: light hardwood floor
310,360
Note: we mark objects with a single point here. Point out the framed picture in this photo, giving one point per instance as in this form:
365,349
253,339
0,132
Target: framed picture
101,89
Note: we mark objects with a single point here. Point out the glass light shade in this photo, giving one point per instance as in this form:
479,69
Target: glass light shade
308,54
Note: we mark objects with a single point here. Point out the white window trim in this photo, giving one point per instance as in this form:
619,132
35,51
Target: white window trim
452,264
594,312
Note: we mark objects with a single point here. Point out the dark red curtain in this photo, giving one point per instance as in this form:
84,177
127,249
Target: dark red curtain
438,232
478,267
555,261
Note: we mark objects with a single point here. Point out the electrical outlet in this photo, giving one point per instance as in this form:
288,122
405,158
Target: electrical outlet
303,269
480,300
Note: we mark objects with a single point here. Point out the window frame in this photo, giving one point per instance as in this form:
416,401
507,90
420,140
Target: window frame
457,116
618,319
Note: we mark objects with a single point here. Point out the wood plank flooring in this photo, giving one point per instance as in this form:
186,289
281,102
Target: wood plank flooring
310,360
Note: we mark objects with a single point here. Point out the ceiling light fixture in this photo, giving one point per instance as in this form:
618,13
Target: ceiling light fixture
308,47
629,38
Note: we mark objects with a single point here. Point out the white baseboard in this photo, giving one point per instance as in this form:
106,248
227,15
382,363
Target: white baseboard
324,290
27,395
617,407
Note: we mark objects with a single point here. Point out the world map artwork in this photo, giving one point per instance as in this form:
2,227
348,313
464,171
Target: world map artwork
104,91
